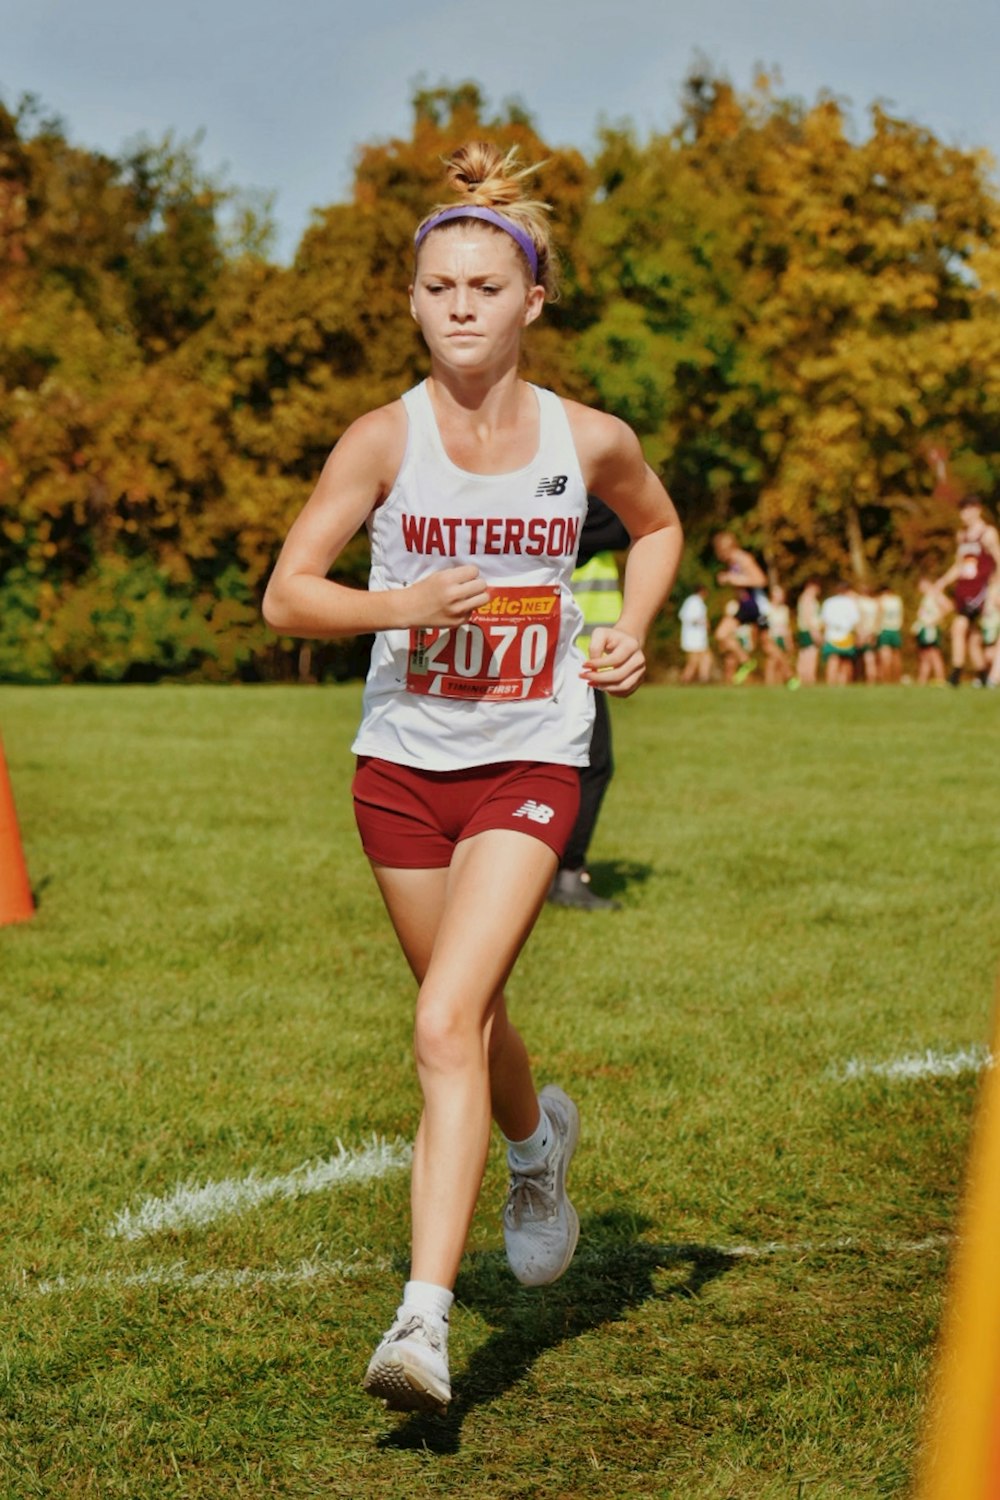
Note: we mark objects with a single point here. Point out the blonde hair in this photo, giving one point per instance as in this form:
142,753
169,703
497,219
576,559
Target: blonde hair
482,176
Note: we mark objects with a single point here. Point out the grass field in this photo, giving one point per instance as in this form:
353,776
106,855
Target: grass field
208,1000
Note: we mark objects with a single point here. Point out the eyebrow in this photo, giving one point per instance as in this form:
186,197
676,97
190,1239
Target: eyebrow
473,280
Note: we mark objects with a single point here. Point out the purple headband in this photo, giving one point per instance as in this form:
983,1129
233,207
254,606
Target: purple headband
490,215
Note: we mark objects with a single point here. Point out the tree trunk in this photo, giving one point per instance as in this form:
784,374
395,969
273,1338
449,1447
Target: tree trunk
855,543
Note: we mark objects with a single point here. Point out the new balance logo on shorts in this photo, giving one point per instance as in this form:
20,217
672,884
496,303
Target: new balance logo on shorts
538,812
554,486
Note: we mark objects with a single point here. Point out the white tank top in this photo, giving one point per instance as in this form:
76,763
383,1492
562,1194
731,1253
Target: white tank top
505,686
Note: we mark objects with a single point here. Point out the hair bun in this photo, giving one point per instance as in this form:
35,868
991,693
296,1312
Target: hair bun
486,176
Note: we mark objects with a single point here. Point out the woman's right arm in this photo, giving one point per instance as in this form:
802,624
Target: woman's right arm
302,601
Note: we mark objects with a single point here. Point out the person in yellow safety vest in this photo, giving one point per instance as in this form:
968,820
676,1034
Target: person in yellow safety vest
597,588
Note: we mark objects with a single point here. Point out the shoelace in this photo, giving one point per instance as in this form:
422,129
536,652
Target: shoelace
414,1325
529,1192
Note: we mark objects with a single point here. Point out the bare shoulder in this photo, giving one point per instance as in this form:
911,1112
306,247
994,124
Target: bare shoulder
600,438
361,469
614,468
381,423
376,442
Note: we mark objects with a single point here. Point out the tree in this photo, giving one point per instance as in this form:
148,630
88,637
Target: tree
788,314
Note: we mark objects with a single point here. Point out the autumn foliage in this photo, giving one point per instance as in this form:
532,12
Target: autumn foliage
792,313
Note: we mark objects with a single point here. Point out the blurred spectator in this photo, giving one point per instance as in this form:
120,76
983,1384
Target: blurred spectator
977,556
808,633
839,617
693,615
890,635
735,658
741,571
932,610
775,639
866,644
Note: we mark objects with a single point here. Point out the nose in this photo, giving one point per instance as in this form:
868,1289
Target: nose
462,308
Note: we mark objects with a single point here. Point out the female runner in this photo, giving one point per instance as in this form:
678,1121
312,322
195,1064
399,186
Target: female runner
477,710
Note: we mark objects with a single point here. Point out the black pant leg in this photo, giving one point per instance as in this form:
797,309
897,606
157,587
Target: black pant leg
594,781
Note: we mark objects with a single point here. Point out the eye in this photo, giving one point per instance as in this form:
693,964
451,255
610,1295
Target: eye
489,290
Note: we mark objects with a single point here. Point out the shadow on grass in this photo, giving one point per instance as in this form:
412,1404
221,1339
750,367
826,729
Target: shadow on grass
611,877
611,1274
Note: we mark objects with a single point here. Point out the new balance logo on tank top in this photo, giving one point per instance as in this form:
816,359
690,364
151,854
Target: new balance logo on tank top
506,685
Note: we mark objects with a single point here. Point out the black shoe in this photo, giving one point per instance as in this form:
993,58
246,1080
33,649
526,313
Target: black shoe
572,888
955,677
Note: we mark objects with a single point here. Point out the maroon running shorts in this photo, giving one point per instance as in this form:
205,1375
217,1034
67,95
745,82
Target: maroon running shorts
412,820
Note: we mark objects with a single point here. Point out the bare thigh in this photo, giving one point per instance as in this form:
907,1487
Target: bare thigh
461,928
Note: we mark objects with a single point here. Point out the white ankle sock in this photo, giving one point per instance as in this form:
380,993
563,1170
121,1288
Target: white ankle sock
535,1149
429,1300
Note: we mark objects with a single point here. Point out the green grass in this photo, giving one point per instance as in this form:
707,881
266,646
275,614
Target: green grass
209,990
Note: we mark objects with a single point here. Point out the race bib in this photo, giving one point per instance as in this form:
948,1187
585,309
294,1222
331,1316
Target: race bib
506,650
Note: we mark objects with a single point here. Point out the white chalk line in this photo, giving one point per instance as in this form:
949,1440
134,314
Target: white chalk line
196,1205
193,1205
927,1064
178,1276
771,1249
843,1243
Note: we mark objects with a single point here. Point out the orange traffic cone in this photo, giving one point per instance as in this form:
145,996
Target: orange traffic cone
16,904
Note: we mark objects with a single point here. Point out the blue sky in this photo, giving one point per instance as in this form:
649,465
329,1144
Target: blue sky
285,92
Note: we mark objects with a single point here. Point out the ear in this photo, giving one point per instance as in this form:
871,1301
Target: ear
533,304
413,310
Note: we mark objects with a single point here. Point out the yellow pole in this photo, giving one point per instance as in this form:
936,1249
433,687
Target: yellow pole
961,1459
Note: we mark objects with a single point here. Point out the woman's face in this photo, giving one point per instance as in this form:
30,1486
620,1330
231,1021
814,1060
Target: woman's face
470,296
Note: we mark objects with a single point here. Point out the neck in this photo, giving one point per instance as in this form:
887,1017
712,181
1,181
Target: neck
481,398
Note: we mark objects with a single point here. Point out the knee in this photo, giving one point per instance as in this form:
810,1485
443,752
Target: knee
444,1038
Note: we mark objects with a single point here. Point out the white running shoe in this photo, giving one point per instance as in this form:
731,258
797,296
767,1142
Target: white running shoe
409,1369
540,1224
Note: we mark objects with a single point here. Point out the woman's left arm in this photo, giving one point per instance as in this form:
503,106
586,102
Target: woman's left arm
615,470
